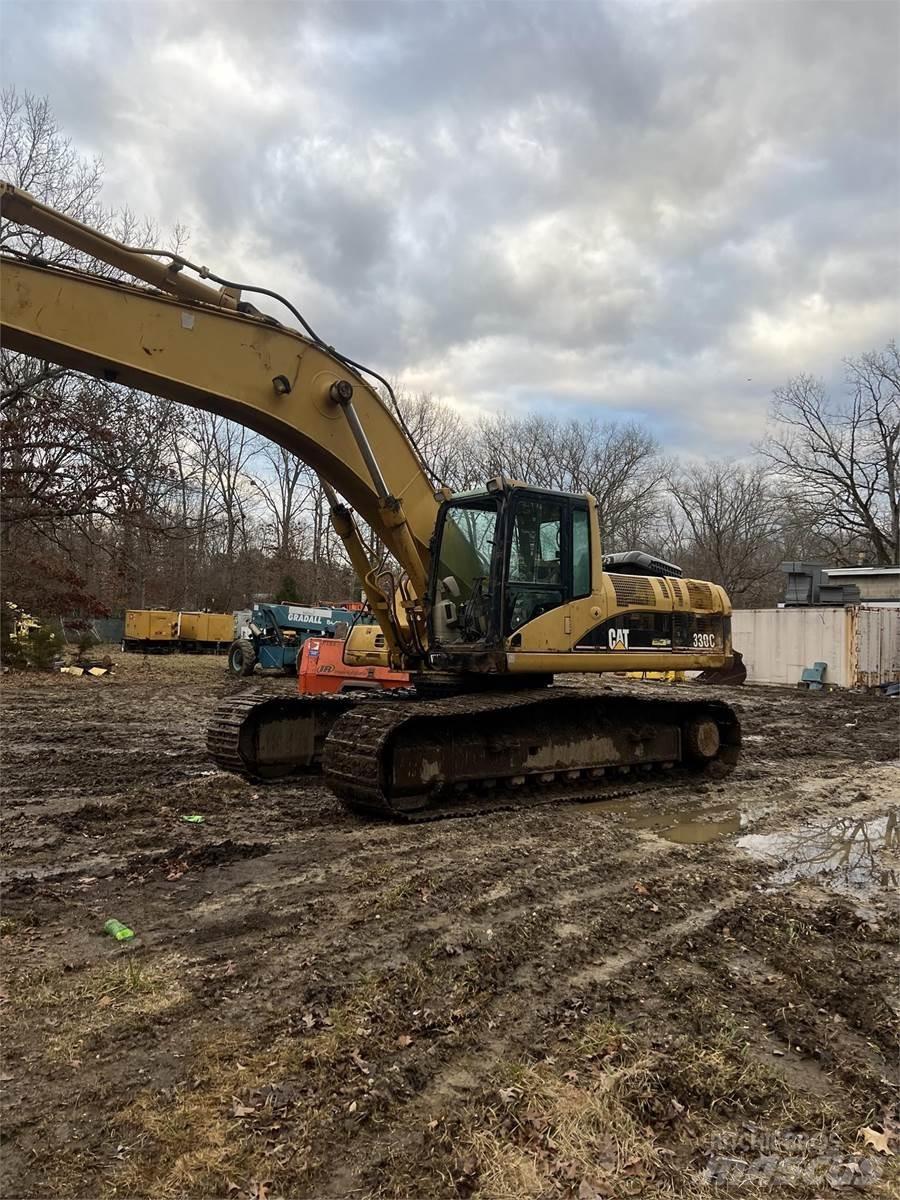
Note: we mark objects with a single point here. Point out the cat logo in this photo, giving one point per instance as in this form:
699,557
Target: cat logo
618,639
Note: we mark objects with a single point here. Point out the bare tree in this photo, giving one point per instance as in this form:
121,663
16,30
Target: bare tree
229,449
619,464
144,505
725,526
281,487
841,458
440,434
74,452
35,156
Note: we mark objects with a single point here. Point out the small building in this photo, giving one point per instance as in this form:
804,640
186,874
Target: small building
874,584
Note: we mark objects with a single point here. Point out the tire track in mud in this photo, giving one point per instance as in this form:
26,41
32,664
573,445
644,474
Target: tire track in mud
502,1038
511,1025
483,940
304,901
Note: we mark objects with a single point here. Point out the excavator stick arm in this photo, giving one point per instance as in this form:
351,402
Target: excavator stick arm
258,373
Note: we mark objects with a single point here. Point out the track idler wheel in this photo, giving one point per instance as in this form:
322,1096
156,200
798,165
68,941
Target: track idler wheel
702,740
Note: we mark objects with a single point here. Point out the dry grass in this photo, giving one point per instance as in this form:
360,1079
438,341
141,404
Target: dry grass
79,1007
9,926
202,1140
615,1115
568,1123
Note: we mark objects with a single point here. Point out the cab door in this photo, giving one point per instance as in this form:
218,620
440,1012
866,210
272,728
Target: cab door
548,560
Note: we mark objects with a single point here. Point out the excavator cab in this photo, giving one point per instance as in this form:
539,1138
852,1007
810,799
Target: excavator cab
503,557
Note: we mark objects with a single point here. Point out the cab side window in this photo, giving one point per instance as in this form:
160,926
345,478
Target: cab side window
535,576
549,558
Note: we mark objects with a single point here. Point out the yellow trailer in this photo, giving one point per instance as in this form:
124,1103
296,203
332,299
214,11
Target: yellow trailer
206,627
164,630
150,626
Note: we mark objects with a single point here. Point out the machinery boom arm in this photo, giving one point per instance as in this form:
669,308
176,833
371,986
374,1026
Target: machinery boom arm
196,348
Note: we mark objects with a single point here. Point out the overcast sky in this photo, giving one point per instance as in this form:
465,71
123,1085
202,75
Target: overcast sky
650,210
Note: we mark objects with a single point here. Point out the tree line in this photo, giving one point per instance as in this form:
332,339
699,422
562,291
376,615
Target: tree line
113,499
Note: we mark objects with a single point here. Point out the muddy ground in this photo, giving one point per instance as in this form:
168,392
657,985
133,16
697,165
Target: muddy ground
678,993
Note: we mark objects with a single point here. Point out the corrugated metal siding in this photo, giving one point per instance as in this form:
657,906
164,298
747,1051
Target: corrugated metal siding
860,644
875,645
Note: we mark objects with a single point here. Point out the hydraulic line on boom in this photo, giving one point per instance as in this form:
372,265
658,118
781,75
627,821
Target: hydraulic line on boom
498,589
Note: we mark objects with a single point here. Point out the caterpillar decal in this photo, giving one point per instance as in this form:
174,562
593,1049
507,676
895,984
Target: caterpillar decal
658,631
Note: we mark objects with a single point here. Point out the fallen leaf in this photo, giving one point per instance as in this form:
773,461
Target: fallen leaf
432,1124
587,1191
360,1062
6,1078
640,890
851,1167
241,1110
104,1002
404,1040
878,1141
351,1107
259,1190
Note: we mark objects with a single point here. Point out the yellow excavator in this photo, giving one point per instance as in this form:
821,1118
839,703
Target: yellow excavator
493,592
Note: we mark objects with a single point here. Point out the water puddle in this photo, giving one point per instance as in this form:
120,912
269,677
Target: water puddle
690,832
852,855
689,827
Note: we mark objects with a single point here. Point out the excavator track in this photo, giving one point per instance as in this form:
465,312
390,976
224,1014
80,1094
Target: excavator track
269,737
421,760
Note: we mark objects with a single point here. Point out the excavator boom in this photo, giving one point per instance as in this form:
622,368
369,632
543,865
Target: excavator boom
257,373
499,589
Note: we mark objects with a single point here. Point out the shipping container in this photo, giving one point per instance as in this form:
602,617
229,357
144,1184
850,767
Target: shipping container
860,643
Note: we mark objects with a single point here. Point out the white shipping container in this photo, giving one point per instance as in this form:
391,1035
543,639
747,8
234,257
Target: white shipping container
860,643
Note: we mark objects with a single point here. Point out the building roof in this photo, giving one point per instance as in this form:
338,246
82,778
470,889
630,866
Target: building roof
861,570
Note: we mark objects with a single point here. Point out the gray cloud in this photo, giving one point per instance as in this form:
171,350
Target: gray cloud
660,210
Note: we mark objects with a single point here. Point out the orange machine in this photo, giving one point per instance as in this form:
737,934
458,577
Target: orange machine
347,605
321,668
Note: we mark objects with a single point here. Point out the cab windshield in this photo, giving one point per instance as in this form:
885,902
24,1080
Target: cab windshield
464,562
